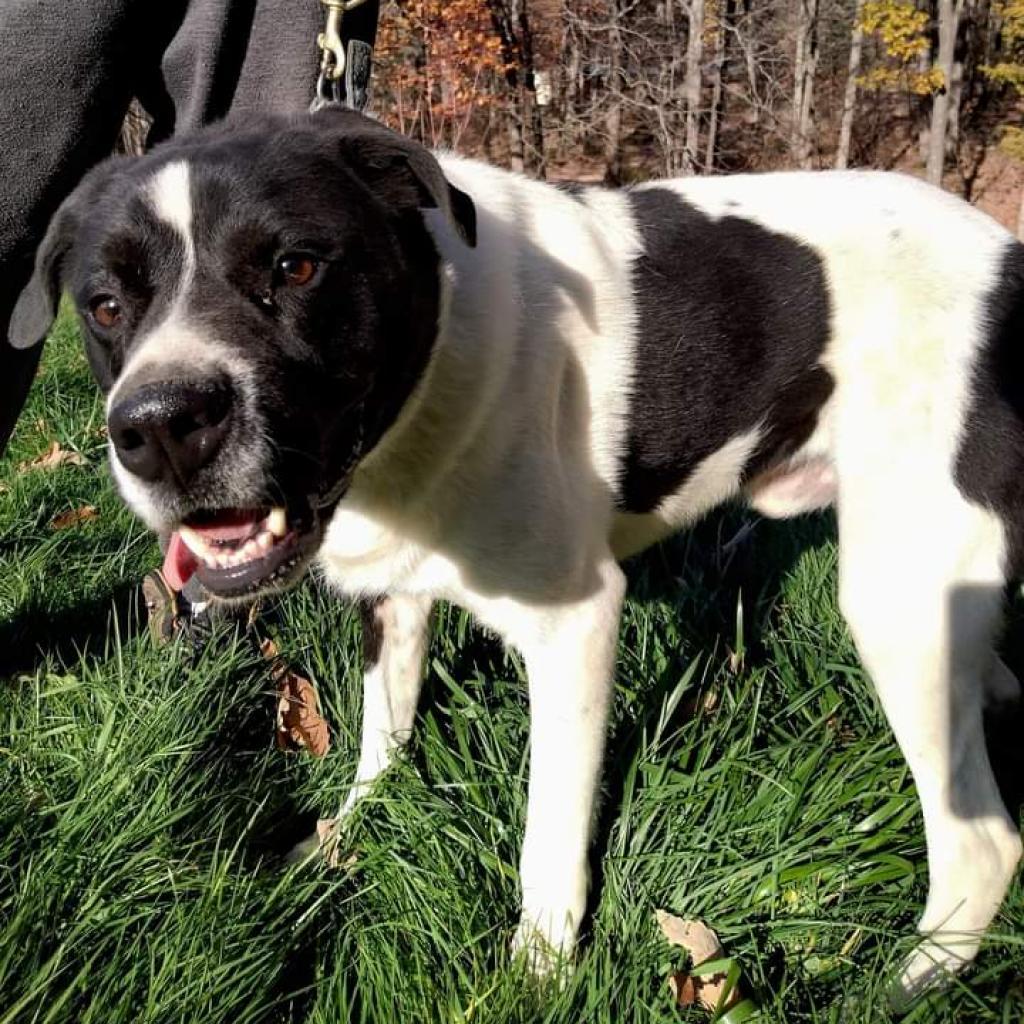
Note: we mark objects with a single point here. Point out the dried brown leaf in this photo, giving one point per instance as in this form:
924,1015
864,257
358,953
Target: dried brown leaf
683,988
694,936
53,457
73,517
299,722
702,945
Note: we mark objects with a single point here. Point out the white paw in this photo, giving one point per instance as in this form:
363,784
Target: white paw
323,846
547,951
931,967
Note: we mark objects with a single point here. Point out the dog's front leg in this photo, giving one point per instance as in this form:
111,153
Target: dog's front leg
570,655
396,631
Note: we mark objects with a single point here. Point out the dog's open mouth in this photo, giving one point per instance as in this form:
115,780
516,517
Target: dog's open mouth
236,552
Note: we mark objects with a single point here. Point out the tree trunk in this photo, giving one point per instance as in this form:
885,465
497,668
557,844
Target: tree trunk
949,25
850,96
805,65
717,73
613,119
525,121
532,108
692,87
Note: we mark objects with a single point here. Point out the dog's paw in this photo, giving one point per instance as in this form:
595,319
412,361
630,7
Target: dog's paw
931,967
547,953
308,850
322,847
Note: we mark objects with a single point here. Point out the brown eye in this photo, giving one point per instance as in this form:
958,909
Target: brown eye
106,311
296,271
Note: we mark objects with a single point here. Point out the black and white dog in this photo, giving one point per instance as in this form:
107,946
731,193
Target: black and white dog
441,380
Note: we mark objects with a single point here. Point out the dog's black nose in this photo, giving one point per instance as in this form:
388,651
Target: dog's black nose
171,429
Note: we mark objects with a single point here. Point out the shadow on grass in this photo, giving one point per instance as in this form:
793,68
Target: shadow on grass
35,633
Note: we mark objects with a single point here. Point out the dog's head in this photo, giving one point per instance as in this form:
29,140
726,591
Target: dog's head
259,301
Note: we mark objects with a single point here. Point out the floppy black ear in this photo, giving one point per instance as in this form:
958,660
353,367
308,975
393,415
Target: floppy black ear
403,172
36,308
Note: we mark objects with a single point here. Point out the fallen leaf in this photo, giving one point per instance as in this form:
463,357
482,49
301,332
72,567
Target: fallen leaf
702,945
299,722
53,457
73,517
694,936
684,988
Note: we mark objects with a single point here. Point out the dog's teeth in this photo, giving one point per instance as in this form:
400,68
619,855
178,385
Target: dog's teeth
250,551
264,542
193,542
277,521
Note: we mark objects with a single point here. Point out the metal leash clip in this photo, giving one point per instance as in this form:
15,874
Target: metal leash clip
331,80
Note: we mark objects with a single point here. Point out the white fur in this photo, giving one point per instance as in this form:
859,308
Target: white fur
179,344
496,489
907,268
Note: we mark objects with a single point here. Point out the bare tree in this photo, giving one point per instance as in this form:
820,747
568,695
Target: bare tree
950,13
804,67
722,13
692,87
526,127
613,120
850,93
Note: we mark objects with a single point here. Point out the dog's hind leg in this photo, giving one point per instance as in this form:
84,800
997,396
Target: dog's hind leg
921,585
396,631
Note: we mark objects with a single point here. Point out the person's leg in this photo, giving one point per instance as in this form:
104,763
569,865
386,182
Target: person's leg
67,75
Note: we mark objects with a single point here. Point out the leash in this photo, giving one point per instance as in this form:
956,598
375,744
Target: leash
346,46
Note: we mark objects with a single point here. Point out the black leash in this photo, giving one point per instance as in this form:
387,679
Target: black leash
346,44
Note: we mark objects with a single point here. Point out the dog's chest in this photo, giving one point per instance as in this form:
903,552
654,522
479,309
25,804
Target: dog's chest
364,555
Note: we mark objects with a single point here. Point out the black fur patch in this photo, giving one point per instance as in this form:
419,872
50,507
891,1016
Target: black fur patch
336,358
373,632
990,463
731,322
576,189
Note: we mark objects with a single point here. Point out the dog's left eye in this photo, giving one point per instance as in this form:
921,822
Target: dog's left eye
106,311
296,270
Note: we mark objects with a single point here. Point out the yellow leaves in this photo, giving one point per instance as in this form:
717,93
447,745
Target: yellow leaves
1012,14
900,26
1011,142
902,33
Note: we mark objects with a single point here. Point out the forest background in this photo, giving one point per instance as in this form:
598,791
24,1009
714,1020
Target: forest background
621,90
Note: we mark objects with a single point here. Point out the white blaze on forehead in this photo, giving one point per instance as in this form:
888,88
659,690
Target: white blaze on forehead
169,195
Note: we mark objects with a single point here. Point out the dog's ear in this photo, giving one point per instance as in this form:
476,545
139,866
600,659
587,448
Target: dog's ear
36,308
404,173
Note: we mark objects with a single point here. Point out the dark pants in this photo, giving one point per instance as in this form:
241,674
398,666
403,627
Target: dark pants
68,72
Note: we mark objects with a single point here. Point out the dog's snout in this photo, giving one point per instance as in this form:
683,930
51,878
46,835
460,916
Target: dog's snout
171,429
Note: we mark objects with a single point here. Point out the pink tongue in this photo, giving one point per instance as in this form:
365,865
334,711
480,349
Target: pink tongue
179,562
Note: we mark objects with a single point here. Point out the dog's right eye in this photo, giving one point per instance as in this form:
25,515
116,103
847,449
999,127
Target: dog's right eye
106,311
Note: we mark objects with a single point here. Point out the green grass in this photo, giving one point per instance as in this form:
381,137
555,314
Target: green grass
751,781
